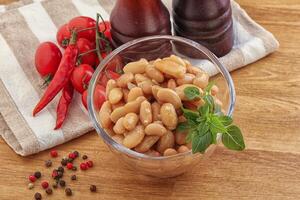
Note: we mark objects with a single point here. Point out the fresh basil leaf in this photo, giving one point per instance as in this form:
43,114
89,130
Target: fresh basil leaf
209,86
202,128
201,142
181,127
225,120
191,92
189,136
233,138
215,124
190,115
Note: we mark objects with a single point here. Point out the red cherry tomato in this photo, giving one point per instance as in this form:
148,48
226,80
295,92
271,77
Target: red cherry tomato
81,77
82,22
99,97
63,36
107,27
47,58
84,46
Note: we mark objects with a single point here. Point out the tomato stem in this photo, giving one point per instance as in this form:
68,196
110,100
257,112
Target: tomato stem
85,29
87,52
73,37
97,38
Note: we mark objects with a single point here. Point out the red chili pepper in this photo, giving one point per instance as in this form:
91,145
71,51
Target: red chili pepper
61,77
63,104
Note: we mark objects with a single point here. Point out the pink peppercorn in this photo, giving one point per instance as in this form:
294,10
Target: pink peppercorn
83,166
53,153
90,164
32,178
45,184
72,155
69,165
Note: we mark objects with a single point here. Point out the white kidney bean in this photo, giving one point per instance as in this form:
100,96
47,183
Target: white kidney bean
134,106
125,94
146,144
201,80
140,78
171,68
194,70
171,84
187,79
118,127
167,95
134,93
146,86
183,149
115,95
177,60
155,107
130,86
124,79
109,86
145,113
180,137
214,90
130,121
134,137
155,74
117,105
104,115
170,152
166,141
155,129
168,116
137,67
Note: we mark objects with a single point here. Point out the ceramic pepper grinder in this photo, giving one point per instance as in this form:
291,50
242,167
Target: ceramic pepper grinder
132,19
209,22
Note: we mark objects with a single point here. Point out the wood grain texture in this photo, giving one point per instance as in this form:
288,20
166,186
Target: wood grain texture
267,109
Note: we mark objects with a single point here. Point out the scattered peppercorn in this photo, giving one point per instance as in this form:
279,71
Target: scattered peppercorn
37,196
69,165
54,185
64,162
37,174
73,177
49,191
53,153
76,153
74,168
90,163
48,163
32,178
30,186
68,191
60,174
62,183
72,155
45,184
93,188
84,157
61,169
83,166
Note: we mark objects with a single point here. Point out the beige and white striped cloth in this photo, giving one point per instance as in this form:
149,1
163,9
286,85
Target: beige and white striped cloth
23,25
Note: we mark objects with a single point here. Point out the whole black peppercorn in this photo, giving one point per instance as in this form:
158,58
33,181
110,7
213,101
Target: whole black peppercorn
37,196
76,153
93,188
64,162
54,185
62,183
49,191
74,168
37,174
61,169
48,163
68,192
73,177
59,174
84,157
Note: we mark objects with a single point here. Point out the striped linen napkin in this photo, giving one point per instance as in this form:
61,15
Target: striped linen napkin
23,25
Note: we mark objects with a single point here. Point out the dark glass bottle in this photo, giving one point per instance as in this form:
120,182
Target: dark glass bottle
132,19
209,22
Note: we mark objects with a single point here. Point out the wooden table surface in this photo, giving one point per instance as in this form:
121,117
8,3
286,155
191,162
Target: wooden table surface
267,110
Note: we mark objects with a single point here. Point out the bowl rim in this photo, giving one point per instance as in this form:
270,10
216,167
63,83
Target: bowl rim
93,115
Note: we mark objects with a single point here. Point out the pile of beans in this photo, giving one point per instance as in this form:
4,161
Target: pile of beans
143,106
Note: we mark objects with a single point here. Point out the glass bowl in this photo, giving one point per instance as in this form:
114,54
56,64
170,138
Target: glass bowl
151,48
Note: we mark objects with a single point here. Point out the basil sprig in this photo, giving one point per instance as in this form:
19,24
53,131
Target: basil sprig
207,122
